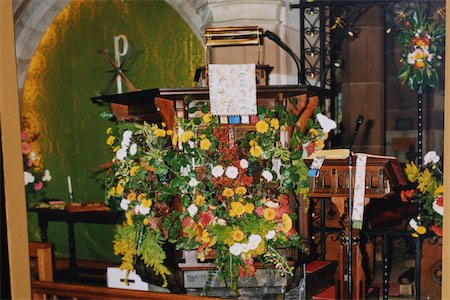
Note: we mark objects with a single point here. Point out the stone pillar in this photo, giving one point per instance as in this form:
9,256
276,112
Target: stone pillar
363,84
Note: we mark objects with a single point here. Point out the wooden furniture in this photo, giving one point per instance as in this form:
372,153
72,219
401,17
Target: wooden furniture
46,215
383,175
41,252
59,290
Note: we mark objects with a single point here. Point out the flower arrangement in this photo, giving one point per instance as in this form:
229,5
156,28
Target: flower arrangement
422,41
35,176
230,196
430,190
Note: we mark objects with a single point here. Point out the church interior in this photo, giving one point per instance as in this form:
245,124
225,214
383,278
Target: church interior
222,149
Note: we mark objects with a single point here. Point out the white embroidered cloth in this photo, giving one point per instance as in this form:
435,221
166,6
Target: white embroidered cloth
232,89
359,192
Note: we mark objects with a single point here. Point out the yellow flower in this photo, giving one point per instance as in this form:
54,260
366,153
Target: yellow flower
108,131
207,118
262,126
163,124
421,230
269,214
249,208
199,200
160,132
227,192
241,190
426,182
205,236
116,149
141,196
252,143
112,191
237,209
313,132
186,136
146,221
287,222
256,151
205,144
412,172
169,132
238,235
119,188
147,203
131,196
128,215
439,191
275,124
133,170
320,144
110,140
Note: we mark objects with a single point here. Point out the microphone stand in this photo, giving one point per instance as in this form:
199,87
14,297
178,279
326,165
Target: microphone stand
359,121
272,36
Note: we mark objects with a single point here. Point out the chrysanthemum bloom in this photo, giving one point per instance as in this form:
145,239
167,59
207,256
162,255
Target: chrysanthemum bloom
205,144
199,200
131,196
227,192
160,132
275,124
241,190
206,118
256,151
133,170
237,209
141,196
269,214
186,136
249,208
238,235
262,126
217,171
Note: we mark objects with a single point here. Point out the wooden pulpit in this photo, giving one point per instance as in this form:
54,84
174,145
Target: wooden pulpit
383,175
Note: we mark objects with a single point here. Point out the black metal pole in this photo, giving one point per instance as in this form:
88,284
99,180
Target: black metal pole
417,269
350,227
419,127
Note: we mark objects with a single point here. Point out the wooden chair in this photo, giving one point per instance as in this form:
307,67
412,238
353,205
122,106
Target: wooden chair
41,252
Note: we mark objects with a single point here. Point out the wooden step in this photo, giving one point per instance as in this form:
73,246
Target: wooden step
319,276
330,294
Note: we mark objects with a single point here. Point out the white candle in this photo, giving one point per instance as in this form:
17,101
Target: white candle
69,185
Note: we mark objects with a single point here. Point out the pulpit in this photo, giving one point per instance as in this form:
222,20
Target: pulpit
167,104
383,175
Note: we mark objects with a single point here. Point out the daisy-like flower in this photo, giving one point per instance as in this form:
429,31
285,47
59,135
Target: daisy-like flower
205,144
232,172
217,171
124,204
121,154
267,175
237,248
192,210
262,126
193,182
253,241
243,163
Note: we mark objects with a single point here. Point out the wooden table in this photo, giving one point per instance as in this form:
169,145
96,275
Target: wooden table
46,215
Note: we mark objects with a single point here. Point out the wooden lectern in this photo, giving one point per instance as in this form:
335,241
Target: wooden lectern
383,176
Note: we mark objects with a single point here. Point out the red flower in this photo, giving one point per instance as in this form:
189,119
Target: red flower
38,186
205,217
437,230
406,195
26,148
440,200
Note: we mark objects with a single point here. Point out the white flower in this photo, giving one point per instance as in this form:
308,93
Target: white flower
217,171
270,235
124,204
193,182
431,157
33,156
133,149
222,222
272,204
253,241
29,178
326,123
184,171
143,210
47,176
237,248
267,175
192,210
232,172
127,134
243,163
437,208
413,224
121,153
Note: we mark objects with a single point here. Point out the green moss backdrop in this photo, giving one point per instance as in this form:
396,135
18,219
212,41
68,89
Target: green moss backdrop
66,71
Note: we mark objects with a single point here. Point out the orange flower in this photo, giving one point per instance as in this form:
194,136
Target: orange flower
227,192
269,214
238,235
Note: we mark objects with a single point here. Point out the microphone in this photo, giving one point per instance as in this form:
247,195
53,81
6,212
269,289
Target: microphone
272,36
359,122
